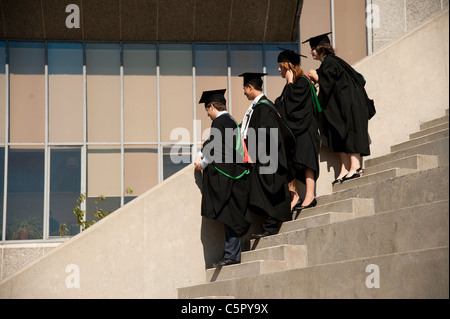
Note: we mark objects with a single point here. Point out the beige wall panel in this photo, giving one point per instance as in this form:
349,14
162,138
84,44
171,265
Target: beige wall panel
103,176
140,109
103,108
240,103
274,86
27,113
176,105
65,108
141,168
315,20
350,30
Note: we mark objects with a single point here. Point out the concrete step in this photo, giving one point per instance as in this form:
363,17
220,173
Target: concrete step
293,255
216,297
373,178
399,230
429,130
398,242
252,268
437,148
329,213
435,122
421,187
416,162
261,261
316,220
412,274
421,140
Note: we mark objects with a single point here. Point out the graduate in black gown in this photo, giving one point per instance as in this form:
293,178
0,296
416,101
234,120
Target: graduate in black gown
346,107
269,191
298,106
225,176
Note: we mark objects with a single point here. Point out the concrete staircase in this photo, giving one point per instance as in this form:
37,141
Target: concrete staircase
383,235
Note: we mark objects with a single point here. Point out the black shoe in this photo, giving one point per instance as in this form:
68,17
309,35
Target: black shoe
312,204
260,235
337,181
297,205
355,175
224,262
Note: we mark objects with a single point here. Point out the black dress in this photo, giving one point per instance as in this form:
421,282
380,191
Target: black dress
269,192
345,107
225,182
296,107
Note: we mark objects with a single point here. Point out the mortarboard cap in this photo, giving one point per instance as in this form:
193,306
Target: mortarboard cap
213,96
253,78
315,41
289,56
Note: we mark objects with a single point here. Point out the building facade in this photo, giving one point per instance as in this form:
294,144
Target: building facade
94,110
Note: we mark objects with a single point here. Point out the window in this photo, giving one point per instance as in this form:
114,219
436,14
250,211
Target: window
65,68
112,120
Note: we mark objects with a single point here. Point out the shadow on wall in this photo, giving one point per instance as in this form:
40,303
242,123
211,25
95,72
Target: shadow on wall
213,233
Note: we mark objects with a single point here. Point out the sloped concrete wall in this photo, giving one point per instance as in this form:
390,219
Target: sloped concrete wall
146,249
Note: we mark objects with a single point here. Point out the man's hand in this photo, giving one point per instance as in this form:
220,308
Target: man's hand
197,164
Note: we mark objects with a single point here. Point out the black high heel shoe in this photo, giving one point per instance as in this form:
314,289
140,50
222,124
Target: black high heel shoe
312,204
297,205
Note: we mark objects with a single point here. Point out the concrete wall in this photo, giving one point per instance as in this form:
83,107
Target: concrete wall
393,18
147,248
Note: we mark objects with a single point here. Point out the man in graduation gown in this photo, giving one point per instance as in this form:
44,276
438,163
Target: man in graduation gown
225,176
261,128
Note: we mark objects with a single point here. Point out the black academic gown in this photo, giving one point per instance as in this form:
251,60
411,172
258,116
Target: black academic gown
269,193
224,198
345,107
296,107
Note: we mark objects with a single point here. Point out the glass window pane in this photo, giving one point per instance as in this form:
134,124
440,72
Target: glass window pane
25,200
140,108
27,92
103,92
244,58
175,158
176,89
109,204
65,185
211,74
65,67
103,174
141,168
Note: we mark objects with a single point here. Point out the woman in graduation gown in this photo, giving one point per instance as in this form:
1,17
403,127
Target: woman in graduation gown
298,106
345,105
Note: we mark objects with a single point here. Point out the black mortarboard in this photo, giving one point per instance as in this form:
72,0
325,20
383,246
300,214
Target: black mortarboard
213,96
289,56
315,41
253,78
